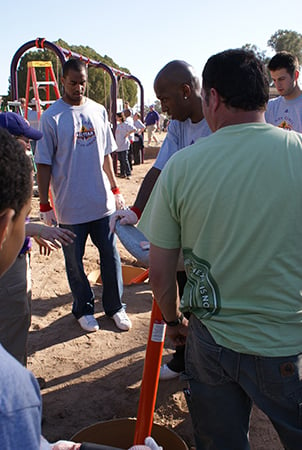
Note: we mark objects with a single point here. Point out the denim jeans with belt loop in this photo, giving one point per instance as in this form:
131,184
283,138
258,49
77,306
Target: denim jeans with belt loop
110,266
223,384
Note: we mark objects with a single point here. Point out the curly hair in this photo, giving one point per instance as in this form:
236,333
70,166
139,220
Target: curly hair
15,174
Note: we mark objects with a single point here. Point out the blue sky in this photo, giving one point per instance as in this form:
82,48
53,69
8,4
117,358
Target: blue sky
144,36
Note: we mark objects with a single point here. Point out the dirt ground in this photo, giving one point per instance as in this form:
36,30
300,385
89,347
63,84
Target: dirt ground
92,377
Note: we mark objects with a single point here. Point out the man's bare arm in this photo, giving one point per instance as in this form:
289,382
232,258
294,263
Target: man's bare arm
146,188
162,272
108,169
43,179
163,266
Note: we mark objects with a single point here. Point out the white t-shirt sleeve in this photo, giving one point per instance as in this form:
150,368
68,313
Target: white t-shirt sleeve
169,146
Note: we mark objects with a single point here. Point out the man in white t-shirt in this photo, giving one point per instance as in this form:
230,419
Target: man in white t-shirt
285,111
74,157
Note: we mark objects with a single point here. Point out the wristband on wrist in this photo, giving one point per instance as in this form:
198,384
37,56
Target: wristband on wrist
137,211
115,190
45,207
174,323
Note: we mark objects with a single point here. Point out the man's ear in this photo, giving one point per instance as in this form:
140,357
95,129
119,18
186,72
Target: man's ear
6,217
186,88
216,99
297,73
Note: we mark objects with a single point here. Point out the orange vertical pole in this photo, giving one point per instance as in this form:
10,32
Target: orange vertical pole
150,378
27,92
55,85
47,70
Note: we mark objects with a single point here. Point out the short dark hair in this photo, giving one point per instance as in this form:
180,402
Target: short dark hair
284,60
73,64
127,113
121,116
239,77
15,173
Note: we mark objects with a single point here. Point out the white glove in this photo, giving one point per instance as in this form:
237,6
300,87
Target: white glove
150,444
59,445
119,201
126,217
65,445
48,217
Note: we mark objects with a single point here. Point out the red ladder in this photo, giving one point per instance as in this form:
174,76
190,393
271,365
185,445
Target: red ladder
50,80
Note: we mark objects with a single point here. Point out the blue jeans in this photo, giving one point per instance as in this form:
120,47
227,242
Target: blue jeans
223,384
124,163
111,271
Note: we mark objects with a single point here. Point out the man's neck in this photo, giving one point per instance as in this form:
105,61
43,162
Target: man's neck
294,94
71,102
239,118
197,114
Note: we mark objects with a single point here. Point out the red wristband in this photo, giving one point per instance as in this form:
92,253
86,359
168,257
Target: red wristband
45,207
115,190
137,211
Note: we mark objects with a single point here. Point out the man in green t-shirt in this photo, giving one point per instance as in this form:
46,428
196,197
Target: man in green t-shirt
233,207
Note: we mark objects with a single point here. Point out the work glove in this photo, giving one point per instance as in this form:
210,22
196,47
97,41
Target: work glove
47,214
125,216
119,199
150,444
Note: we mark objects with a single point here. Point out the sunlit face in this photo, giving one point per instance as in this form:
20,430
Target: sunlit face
172,100
74,86
13,238
284,82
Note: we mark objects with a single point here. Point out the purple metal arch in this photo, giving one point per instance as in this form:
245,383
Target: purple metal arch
63,55
38,43
114,75
109,70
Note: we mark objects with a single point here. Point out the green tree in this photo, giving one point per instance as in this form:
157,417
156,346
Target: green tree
261,54
288,40
99,82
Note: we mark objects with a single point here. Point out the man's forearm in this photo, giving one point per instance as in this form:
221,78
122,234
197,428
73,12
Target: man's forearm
43,179
163,264
146,188
108,169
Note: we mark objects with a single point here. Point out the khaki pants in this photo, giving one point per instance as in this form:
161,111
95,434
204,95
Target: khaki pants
15,308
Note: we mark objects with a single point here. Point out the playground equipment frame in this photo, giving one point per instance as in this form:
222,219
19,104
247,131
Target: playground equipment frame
64,55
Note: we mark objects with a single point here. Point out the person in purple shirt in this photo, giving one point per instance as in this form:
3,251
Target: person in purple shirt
152,124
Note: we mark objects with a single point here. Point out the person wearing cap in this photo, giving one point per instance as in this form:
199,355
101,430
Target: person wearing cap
152,124
15,285
19,127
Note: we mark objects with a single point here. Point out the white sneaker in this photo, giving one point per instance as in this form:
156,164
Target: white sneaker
167,374
88,323
121,320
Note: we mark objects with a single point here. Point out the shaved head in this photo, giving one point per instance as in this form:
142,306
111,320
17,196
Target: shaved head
178,72
177,86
